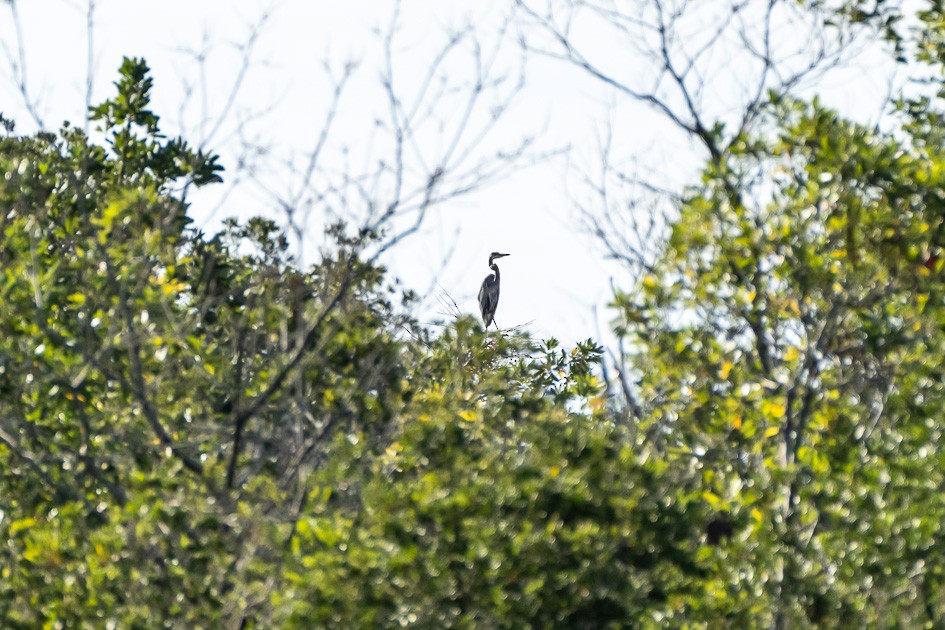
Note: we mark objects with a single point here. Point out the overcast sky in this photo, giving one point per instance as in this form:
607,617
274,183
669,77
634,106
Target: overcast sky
557,273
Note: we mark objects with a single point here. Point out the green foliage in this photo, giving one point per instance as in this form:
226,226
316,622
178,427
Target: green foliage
152,380
494,506
790,337
133,133
196,432
192,430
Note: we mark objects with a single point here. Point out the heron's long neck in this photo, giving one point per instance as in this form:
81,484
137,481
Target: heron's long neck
495,268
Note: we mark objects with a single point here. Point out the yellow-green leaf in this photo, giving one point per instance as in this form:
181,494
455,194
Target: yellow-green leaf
21,524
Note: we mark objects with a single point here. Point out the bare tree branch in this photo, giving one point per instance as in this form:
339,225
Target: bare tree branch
16,59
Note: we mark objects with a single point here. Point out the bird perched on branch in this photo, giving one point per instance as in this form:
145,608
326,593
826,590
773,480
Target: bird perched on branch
489,292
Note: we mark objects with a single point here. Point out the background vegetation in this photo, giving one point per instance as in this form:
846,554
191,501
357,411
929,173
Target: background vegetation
194,431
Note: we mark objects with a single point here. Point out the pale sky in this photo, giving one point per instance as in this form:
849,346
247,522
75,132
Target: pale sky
557,273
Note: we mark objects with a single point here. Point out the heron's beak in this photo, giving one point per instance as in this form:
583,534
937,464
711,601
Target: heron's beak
501,255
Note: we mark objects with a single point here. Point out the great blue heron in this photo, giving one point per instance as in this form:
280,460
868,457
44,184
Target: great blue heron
489,291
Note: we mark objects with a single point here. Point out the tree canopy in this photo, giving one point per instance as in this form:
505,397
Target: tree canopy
195,431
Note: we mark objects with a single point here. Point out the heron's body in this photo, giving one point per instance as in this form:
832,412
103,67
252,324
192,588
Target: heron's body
489,292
